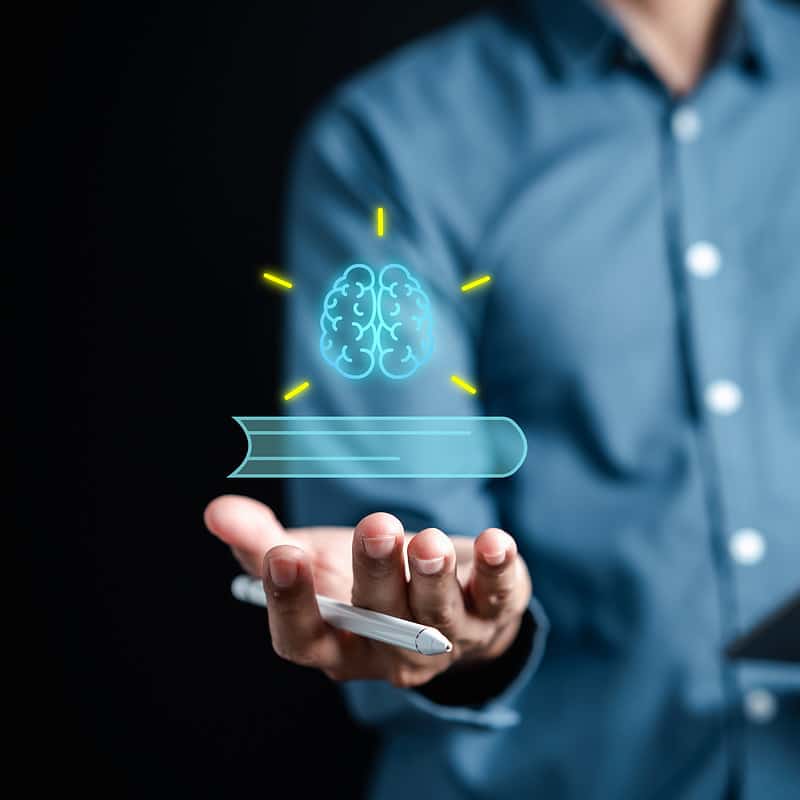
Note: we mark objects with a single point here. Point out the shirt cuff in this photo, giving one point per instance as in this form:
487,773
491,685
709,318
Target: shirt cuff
500,711
776,676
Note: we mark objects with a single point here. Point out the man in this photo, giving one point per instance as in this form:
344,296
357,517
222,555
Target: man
628,175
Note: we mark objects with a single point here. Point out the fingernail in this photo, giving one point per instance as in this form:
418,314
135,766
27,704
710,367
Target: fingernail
428,566
283,572
493,559
379,546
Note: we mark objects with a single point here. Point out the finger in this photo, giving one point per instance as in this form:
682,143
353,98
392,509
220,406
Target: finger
248,526
434,595
298,632
379,581
499,585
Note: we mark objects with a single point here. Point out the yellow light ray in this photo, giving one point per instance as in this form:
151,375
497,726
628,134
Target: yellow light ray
462,384
467,287
299,389
282,282
380,221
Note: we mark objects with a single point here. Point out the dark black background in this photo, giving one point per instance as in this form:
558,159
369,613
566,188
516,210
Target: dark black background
151,155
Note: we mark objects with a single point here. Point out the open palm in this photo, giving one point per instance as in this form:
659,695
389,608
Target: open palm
474,590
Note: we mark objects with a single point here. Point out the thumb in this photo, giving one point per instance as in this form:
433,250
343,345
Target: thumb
247,526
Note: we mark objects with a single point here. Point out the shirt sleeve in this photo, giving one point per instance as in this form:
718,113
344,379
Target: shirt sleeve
343,169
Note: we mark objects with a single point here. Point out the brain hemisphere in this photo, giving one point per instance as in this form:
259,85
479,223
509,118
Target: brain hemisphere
405,338
384,322
348,322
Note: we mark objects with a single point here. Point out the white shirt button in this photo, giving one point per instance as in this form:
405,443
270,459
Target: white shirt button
686,125
747,546
723,397
703,260
760,706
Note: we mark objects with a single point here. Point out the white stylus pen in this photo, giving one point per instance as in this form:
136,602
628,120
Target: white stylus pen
370,624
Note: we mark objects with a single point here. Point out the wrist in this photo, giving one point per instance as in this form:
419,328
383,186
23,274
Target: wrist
503,639
475,680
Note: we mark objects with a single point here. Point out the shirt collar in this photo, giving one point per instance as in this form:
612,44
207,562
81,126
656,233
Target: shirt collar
581,37
744,39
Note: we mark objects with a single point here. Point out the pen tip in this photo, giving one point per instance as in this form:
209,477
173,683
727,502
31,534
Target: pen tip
431,642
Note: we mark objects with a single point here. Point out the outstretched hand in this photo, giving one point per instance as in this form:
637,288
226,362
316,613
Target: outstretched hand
474,591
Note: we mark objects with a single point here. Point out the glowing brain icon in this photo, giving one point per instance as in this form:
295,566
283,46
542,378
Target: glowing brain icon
382,322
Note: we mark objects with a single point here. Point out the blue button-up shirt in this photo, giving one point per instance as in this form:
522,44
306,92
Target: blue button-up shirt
643,328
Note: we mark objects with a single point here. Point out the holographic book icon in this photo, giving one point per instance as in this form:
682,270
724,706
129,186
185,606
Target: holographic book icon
381,447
